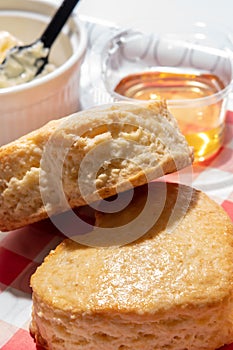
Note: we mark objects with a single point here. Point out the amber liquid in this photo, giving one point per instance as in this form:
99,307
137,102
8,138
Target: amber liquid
201,125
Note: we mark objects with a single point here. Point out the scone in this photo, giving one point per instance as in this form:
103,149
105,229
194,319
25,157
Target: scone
87,156
170,289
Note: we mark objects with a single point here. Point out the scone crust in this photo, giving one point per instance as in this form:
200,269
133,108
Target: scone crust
190,266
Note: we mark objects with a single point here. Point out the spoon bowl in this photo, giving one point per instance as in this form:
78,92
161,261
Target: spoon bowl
23,63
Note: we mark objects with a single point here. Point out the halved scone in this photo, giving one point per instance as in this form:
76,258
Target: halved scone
88,155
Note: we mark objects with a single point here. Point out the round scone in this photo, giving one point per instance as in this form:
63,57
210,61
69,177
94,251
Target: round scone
78,159
170,289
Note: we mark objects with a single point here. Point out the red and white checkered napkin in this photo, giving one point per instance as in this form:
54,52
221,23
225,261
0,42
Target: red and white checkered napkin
23,250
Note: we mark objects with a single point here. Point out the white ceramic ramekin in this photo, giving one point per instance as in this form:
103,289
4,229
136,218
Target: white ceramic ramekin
26,107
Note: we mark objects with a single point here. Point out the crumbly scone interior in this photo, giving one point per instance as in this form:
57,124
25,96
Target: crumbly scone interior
136,152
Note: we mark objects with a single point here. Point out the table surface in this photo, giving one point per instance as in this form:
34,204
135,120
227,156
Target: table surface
21,251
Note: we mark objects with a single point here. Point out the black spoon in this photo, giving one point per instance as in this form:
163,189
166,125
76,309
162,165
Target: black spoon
21,57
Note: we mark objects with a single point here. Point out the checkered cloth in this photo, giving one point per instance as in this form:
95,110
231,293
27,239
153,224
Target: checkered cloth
21,251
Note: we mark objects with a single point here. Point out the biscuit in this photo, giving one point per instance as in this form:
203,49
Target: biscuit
90,155
170,289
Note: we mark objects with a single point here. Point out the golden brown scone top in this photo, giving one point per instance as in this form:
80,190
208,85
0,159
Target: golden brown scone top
189,263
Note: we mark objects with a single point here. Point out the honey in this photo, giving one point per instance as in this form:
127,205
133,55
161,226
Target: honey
202,124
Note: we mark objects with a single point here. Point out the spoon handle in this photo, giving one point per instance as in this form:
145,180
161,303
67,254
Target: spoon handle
57,22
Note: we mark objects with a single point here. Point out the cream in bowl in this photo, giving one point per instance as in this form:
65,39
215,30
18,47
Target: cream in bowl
21,68
30,105
7,41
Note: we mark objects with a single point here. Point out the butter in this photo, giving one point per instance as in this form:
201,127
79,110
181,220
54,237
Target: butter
7,41
21,66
